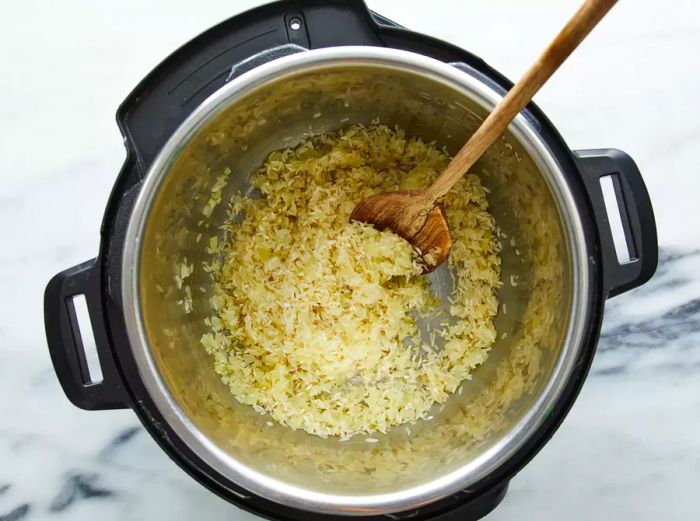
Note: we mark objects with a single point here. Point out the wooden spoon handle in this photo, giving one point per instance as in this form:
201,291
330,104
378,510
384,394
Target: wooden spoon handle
578,27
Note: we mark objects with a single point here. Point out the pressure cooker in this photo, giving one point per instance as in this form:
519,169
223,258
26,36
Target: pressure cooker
264,80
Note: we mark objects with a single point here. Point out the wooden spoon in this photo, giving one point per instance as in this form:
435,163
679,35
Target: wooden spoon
416,215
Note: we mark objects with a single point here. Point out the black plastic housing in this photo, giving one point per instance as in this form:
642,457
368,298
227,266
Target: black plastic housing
165,97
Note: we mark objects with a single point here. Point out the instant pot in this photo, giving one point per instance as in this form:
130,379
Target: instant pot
264,80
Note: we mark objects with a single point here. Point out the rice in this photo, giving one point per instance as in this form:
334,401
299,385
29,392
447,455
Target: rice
316,317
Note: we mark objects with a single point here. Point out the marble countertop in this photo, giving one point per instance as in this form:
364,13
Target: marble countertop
629,449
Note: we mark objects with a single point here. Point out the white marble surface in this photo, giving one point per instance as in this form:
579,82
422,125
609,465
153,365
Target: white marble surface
630,448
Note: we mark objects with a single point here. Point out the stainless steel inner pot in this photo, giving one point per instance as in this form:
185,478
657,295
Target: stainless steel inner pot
543,297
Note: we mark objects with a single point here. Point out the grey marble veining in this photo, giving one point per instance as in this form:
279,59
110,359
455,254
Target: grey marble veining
629,449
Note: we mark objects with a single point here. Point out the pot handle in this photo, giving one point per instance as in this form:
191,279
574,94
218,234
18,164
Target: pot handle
636,214
66,345
263,57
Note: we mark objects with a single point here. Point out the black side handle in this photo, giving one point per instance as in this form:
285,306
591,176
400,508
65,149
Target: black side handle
66,345
636,214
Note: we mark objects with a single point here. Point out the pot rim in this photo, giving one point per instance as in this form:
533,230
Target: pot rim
294,496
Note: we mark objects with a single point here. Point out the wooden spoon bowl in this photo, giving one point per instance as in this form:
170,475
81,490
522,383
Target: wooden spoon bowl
412,216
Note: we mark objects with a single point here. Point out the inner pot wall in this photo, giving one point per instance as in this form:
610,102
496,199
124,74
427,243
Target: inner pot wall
532,335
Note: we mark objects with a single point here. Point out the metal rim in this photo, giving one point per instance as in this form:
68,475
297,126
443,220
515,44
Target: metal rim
292,495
